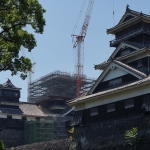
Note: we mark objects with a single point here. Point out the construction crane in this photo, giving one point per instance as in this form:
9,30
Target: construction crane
30,72
78,44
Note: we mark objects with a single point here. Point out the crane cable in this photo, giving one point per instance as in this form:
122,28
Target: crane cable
74,29
114,25
79,16
113,13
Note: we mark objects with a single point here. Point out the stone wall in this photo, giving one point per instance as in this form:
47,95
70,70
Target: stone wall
12,137
48,145
109,135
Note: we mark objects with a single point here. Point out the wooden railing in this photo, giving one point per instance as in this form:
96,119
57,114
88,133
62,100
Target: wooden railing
128,35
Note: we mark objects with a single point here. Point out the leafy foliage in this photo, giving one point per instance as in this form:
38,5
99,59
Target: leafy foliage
2,146
15,16
132,136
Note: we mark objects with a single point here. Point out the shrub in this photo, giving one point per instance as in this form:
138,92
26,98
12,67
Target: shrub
2,146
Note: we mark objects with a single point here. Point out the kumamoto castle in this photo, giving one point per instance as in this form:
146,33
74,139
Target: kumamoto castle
120,97
117,102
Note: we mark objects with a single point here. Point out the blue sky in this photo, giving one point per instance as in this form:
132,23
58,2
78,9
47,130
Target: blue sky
54,47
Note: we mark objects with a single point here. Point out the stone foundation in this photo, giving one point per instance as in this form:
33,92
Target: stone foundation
11,137
109,135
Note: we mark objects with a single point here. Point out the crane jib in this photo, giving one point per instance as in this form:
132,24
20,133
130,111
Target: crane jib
78,43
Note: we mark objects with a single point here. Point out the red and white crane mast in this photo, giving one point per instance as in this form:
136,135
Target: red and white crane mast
79,45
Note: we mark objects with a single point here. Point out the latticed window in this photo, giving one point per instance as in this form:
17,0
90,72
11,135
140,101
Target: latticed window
94,111
77,118
111,107
129,103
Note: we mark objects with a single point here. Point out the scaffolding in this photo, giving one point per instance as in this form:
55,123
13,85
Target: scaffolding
51,128
56,85
60,127
38,131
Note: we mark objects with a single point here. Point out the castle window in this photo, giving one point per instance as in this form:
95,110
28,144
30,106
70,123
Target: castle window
24,118
15,94
37,118
129,103
111,107
9,116
115,82
77,118
94,111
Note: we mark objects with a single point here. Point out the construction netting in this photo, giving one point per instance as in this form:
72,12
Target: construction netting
38,131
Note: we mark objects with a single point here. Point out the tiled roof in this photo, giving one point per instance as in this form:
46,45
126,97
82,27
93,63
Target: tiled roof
126,44
105,63
11,111
130,68
31,110
134,53
9,85
111,91
134,13
27,109
138,15
46,111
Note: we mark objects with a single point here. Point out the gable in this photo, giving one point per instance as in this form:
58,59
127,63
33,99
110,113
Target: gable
126,17
123,49
114,71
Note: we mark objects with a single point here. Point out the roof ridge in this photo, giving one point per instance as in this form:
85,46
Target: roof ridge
130,68
139,13
119,48
117,89
125,56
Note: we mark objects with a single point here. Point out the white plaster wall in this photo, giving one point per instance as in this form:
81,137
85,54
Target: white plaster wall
16,117
114,73
3,116
115,97
80,106
31,118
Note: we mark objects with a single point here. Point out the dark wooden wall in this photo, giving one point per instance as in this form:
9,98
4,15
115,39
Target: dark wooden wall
145,67
105,85
120,110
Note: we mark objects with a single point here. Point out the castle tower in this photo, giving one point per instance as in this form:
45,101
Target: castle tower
8,92
120,97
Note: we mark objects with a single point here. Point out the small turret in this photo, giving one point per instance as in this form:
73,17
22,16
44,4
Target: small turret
8,92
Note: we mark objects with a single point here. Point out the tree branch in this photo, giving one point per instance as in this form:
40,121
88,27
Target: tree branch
11,27
3,9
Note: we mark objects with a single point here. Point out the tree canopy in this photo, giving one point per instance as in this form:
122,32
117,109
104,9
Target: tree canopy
15,16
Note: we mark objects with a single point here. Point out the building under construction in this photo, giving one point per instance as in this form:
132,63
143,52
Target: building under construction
38,131
54,89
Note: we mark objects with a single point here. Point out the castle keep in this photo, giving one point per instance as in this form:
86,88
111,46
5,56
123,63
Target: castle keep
120,98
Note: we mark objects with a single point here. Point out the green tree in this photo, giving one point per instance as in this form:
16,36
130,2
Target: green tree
132,136
2,146
15,16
